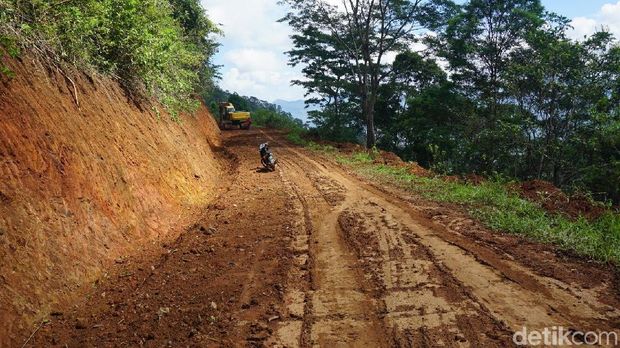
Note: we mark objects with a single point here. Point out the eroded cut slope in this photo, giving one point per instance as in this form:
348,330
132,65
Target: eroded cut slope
82,186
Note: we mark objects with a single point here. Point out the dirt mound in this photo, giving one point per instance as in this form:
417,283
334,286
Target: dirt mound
347,147
415,169
82,186
393,160
554,200
474,179
389,159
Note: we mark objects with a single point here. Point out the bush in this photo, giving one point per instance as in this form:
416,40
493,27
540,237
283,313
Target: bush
275,119
152,49
295,137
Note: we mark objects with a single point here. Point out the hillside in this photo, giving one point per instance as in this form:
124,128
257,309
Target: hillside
454,181
82,187
313,255
122,228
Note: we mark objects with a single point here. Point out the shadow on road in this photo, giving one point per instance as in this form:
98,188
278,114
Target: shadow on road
262,170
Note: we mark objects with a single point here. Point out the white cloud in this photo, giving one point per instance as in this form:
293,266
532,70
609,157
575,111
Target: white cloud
253,46
267,85
607,18
252,52
253,23
260,73
251,59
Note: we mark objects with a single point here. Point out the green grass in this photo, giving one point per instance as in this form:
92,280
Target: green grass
493,204
321,148
295,137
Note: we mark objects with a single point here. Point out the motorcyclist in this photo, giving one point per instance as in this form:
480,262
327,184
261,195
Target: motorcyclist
264,152
266,158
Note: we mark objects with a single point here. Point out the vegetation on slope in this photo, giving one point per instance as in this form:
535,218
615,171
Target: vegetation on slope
156,48
264,113
500,87
493,203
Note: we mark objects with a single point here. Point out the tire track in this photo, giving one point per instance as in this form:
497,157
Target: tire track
506,293
339,310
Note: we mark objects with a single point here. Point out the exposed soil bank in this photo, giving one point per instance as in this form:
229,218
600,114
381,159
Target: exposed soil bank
83,187
312,256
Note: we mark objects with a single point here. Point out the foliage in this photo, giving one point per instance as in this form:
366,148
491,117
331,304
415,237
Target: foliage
321,147
296,137
344,50
264,114
239,102
276,119
499,89
155,47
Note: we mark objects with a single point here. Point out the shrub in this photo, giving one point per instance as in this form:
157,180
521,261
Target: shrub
150,48
295,137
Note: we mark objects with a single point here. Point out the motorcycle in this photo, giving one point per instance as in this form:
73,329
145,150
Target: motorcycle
267,159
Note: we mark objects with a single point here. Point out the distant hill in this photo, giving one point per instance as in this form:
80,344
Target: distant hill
292,108
297,108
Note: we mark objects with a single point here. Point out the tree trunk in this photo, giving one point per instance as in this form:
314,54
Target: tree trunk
371,137
368,110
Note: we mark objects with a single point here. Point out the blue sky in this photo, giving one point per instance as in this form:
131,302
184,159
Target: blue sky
576,8
252,52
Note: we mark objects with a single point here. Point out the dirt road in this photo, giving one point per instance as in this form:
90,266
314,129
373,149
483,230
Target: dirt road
310,255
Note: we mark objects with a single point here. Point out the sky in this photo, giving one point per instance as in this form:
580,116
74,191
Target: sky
252,48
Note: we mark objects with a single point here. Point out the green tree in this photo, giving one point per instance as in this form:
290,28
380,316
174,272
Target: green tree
239,102
155,48
477,42
566,93
359,35
327,84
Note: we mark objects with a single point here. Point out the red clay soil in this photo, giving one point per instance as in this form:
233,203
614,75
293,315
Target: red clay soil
554,200
390,159
474,179
221,283
415,169
83,186
310,255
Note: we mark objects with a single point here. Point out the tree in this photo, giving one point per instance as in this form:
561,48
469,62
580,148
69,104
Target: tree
477,42
352,41
239,102
327,84
565,90
412,76
156,48
198,29
501,90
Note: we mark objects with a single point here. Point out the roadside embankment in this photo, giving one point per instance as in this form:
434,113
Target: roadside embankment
87,178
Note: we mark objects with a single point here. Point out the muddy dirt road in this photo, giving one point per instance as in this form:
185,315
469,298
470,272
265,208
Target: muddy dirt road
310,255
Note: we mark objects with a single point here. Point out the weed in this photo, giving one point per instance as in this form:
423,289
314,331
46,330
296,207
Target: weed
296,138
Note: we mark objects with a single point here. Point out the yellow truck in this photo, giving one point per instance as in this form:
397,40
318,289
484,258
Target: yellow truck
231,117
